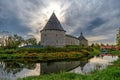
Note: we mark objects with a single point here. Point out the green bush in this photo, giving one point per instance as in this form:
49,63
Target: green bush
8,51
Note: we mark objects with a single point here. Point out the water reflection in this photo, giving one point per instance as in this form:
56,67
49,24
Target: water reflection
55,67
14,70
29,72
96,63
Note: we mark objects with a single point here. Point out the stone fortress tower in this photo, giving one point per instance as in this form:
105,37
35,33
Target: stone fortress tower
82,40
53,34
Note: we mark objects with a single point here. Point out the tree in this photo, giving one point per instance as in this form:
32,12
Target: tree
102,44
118,38
107,44
92,45
39,43
14,41
31,41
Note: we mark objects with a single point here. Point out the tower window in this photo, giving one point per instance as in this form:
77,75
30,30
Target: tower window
45,35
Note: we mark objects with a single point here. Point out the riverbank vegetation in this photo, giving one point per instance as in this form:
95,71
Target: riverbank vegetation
112,72
115,52
48,53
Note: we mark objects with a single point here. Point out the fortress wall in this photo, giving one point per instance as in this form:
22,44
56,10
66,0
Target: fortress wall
71,40
53,38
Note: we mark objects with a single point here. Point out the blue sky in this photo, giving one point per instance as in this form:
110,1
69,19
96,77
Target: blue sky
97,19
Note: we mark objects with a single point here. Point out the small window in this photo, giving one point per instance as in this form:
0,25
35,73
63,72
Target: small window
56,35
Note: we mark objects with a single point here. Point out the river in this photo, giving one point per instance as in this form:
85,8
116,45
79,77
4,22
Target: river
14,70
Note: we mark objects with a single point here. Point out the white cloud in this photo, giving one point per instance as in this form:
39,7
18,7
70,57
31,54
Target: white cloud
96,38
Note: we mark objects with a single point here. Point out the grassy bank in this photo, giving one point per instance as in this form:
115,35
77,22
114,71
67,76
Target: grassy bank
35,57
48,54
110,73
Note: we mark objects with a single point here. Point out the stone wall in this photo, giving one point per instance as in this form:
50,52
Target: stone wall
83,43
71,40
53,38
60,39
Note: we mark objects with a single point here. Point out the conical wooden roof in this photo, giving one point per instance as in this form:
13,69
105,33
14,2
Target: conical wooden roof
81,37
53,24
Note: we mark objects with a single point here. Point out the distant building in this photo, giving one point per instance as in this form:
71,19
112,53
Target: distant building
53,34
110,47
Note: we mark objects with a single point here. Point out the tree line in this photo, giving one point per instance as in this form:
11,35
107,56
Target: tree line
15,41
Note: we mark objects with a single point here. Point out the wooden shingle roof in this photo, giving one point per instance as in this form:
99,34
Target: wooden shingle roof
53,24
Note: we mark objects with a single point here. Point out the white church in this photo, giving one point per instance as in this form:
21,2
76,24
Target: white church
53,34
